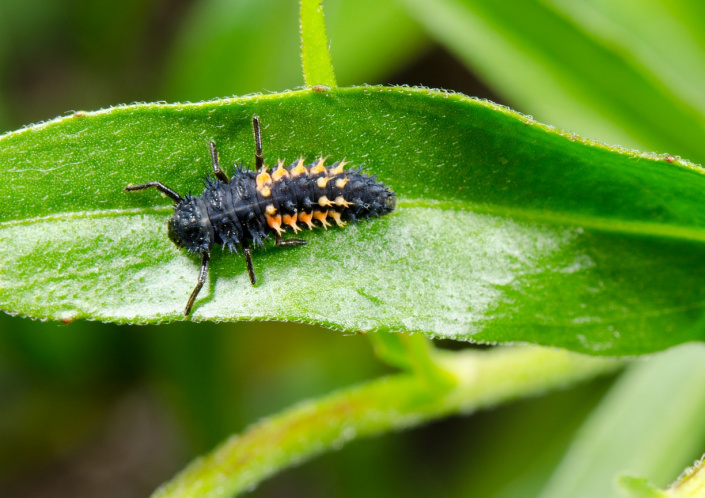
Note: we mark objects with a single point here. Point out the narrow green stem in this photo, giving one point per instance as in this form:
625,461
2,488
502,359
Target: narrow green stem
315,56
405,400
414,353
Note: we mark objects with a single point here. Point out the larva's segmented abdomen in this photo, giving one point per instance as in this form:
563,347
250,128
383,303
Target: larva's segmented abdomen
301,195
253,205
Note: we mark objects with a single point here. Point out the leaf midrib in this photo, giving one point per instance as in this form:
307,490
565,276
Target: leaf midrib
82,215
607,225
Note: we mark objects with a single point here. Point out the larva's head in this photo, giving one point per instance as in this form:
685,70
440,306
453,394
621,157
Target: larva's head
378,200
190,226
389,201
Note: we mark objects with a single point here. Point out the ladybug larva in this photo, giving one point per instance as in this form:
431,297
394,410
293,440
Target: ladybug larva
243,211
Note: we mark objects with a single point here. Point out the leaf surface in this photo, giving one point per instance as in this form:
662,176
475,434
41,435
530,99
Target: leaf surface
625,71
506,230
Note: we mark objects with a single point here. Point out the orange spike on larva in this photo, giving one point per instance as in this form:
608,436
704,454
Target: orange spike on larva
336,216
341,182
340,201
291,221
323,181
263,183
280,172
299,169
319,168
323,201
321,216
270,210
263,179
306,218
275,223
339,168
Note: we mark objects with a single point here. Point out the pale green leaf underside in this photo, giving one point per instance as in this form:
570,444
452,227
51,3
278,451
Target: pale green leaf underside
506,230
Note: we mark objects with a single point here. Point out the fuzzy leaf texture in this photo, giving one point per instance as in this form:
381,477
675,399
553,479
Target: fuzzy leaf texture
506,229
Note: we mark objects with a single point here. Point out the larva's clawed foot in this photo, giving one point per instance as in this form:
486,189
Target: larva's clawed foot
205,259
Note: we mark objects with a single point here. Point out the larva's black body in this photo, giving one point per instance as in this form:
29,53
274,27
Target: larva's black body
242,212
251,206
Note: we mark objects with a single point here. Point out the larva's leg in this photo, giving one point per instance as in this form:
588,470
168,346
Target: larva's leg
159,186
288,243
219,173
205,258
250,267
259,159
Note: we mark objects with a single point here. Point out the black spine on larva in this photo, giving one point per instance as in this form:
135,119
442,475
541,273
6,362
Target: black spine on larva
235,213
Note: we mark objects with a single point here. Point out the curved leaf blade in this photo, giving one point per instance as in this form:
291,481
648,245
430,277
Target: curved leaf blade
507,230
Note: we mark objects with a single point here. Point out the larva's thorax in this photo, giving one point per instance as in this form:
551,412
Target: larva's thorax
254,205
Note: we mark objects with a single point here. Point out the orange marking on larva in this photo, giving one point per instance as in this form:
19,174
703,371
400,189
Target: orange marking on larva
323,201
321,216
280,172
291,221
341,182
263,182
299,169
275,223
306,218
271,210
336,216
319,168
340,201
322,181
339,168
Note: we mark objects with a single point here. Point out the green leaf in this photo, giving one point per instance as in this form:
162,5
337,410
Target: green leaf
484,379
506,230
609,70
318,68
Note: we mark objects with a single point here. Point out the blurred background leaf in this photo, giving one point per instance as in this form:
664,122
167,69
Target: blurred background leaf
644,426
625,74
72,395
235,48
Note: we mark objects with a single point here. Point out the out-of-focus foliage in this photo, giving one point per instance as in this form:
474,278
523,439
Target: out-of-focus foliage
624,72
239,47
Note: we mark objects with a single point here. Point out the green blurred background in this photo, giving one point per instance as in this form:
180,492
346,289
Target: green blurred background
90,409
